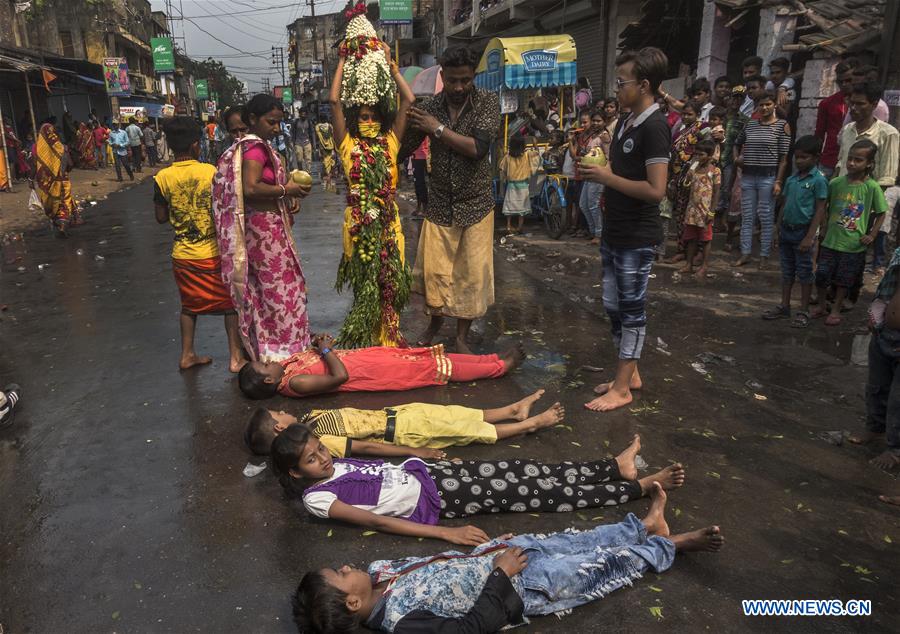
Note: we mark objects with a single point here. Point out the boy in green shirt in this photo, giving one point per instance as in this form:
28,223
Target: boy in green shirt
853,199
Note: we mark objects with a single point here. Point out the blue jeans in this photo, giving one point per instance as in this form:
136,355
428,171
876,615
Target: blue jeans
756,200
878,255
883,386
626,273
725,189
590,206
794,262
566,570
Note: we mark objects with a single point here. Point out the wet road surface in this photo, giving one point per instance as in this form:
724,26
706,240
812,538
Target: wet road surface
124,506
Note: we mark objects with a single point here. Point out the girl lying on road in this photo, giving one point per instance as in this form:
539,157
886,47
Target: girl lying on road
322,369
499,583
408,499
414,429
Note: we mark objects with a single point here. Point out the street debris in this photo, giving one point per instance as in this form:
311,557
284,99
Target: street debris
99,257
835,438
251,470
699,367
859,352
713,357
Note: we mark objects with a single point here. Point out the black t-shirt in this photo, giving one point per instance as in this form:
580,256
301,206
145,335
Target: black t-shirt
628,222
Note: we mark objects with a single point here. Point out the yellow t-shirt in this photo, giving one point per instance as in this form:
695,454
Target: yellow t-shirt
186,187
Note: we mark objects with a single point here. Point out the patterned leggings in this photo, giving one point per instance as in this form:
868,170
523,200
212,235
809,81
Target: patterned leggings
476,486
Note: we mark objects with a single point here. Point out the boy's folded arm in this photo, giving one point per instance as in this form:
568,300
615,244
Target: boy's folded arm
310,384
498,604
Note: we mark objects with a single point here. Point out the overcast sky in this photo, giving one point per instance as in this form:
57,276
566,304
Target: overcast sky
248,29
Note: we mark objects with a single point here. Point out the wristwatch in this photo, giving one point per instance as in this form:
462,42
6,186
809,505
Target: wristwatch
324,351
439,131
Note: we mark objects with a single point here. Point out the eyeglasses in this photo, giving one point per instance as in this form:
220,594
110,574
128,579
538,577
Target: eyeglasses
622,82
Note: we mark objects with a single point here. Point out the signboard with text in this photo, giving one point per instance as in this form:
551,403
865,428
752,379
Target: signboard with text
115,75
163,54
287,95
202,89
395,11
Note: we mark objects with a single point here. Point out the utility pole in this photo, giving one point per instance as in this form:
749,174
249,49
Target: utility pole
278,60
312,15
267,88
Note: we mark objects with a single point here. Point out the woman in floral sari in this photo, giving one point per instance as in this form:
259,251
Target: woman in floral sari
52,165
252,203
85,143
678,189
367,129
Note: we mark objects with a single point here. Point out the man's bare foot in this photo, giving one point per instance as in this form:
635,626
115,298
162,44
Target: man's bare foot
613,399
189,361
700,273
863,437
678,257
742,261
462,347
434,327
890,499
513,357
522,409
655,522
707,539
687,269
235,365
636,384
625,460
548,418
887,460
672,477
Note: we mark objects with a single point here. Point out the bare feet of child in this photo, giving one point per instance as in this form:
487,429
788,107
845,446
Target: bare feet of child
190,360
707,539
675,259
890,499
700,273
512,358
687,269
655,522
742,261
887,460
636,384
613,399
863,437
548,418
672,477
625,460
522,410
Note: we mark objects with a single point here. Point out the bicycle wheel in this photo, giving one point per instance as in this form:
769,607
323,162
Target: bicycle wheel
553,215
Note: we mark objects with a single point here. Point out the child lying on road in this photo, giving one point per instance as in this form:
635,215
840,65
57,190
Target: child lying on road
499,583
414,429
408,499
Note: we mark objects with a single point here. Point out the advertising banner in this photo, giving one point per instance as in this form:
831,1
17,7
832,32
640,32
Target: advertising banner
287,95
115,74
396,11
163,54
202,89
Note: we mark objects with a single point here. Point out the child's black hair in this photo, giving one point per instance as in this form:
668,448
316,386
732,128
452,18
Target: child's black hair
755,79
320,608
706,145
870,90
285,454
719,112
809,144
557,137
866,144
351,118
769,95
720,79
516,146
780,62
753,60
649,63
260,432
253,384
181,134
693,105
701,84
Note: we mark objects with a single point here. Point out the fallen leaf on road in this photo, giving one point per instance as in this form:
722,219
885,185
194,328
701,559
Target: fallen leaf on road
787,561
655,589
887,538
760,397
656,611
842,531
516,446
577,444
330,532
713,474
368,533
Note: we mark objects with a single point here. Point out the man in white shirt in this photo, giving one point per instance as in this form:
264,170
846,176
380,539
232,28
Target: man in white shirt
863,100
135,141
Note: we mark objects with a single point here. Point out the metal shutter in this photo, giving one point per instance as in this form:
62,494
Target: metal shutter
590,41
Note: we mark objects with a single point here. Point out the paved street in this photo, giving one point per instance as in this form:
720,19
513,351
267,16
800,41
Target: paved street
124,506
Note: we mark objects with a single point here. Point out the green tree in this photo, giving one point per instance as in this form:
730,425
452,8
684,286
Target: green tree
224,84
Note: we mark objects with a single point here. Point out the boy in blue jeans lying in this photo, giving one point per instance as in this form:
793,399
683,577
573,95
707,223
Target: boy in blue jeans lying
499,583
805,193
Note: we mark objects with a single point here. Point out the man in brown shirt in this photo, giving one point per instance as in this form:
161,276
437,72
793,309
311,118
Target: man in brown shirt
454,266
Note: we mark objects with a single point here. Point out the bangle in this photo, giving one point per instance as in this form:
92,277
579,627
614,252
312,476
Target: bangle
283,191
324,351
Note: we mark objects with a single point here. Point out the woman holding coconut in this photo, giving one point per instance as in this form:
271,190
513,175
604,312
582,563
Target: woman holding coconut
368,126
253,203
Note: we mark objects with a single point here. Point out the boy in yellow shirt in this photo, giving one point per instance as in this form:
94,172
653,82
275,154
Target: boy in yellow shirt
414,429
183,198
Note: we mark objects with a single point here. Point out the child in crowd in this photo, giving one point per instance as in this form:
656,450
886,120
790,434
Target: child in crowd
678,188
805,193
409,498
516,170
183,198
498,584
554,157
734,125
322,369
403,430
704,179
853,199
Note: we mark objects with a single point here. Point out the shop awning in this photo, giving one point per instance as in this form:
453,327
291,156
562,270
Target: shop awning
91,80
527,62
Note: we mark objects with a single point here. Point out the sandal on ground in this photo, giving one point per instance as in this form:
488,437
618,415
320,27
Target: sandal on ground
819,312
833,320
779,312
800,320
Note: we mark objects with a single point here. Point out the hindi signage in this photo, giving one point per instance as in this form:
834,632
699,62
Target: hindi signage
115,75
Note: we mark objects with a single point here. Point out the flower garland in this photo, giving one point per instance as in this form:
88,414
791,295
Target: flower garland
367,77
375,269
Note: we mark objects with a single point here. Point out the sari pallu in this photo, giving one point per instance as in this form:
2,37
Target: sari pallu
85,144
51,179
260,263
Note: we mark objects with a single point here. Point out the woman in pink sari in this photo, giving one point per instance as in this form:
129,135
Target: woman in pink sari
252,204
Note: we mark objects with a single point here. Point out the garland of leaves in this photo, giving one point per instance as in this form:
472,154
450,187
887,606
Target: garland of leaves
374,269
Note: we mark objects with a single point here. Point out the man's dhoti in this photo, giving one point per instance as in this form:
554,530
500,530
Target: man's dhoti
454,269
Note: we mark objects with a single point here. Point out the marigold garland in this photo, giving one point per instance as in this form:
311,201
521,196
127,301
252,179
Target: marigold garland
375,269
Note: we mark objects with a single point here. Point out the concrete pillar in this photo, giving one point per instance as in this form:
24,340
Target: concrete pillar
712,58
776,28
819,81
612,44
